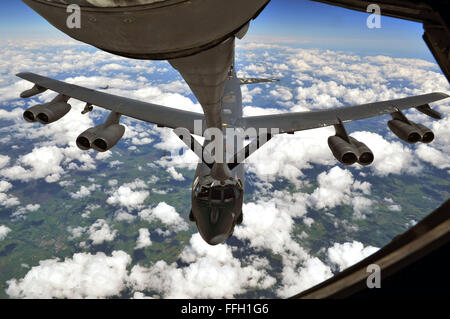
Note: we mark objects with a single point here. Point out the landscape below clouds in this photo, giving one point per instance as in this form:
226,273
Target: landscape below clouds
77,224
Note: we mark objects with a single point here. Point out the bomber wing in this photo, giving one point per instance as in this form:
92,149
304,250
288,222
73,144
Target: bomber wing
299,121
161,115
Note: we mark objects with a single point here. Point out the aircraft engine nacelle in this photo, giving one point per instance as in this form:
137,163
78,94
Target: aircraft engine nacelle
411,132
47,113
351,152
365,155
101,137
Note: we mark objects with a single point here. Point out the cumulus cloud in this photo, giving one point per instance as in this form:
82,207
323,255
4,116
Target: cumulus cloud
165,214
390,157
76,232
347,254
82,276
282,93
43,162
4,230
5,186
334,188
255,68
338,187
174,174
103,155
319,79
143,239
22,212
431,155
395,208
360,205
4,160
248,94
290,154
212,272
115,163
124,216
5,199
99,232
268,224
130,195
84,191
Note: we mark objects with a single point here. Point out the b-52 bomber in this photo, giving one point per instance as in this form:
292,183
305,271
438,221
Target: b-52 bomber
197,37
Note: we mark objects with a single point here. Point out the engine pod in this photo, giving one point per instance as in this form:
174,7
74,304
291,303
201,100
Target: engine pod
52,112
108,137
343,151
405,131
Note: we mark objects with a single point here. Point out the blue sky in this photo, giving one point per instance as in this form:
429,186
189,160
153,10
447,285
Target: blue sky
300,23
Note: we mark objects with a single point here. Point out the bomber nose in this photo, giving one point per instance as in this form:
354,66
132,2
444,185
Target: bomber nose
217,239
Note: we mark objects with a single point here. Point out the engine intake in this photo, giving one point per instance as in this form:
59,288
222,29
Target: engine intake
49,112
365,155
427,135
411,132
102,137
350,152
343,151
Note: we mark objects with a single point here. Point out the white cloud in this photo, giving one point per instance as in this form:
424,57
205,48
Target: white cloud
174,174
212,272
166,214
395,208
264,226
347,254
324,79
143,239
76,232
281,92
256,111
431,155
360,205
4,160
268,224
84,191
124,216
338,187
290,154
4,230
43,162
127,195
364,187
176,87
334,188
5,186
390,157
103,155
115,163
99,232
82,276
22,212
8,201
248,94
112,182
255,68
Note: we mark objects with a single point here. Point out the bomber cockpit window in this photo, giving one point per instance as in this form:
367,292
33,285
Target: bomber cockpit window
204,192
228,193
216,194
